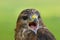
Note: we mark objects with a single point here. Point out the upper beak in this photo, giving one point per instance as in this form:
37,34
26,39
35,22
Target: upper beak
34,18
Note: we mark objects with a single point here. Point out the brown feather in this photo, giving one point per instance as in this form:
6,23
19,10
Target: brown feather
23,33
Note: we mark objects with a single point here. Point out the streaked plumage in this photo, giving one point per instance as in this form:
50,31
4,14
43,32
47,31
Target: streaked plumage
29,26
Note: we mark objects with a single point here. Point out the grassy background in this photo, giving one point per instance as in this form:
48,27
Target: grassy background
10,9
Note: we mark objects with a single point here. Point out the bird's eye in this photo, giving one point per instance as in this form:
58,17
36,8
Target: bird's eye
24,17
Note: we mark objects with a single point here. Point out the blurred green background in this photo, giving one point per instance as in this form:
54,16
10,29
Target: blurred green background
10,9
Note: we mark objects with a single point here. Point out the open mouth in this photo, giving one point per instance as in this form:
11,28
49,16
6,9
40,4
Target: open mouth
33,25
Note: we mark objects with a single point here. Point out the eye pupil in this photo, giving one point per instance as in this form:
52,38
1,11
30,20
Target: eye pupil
24,17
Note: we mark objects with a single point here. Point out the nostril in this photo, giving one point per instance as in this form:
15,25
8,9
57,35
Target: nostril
24,17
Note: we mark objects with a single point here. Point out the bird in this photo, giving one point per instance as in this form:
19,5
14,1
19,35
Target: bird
29,26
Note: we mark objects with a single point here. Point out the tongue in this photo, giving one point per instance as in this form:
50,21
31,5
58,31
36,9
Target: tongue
33,27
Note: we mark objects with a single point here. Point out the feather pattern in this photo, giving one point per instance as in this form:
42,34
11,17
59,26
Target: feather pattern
25,32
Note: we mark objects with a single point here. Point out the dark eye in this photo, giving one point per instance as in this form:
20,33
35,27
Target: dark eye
24,17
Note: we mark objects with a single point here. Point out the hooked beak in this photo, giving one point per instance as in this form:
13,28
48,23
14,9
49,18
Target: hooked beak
33,24
34,18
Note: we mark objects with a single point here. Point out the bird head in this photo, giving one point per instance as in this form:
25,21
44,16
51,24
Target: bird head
30,17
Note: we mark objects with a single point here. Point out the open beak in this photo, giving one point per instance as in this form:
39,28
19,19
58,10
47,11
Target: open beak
33,24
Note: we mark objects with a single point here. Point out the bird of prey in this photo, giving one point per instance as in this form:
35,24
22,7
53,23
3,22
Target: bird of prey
30,26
